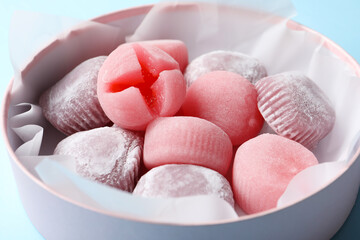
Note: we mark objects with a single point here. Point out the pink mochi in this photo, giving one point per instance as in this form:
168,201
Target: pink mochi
187,140
181,180
263,167
72,105
227,100
231,61
175,48
295,107
108,155
138,83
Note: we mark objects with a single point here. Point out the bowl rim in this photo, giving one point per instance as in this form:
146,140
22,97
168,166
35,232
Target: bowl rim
141,10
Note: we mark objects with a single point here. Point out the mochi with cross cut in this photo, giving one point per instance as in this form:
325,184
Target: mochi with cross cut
175,48
138,83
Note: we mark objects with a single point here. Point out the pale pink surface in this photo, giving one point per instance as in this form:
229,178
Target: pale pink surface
228,100
175,48
295,107
172,90
263,167
153,60
130,108
121,67
231,61
181,180
109,155
72,105
187,140
153,86
130,101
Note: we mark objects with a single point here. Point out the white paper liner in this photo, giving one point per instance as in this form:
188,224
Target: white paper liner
177,210
319,175
263,36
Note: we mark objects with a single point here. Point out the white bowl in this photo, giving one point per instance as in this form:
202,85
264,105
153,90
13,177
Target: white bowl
57,217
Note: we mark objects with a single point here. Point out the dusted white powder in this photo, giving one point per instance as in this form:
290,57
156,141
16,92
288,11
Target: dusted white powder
248,67
109,155
295,107
71,105
180,180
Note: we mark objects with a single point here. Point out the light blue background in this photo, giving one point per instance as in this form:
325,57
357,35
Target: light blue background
338,20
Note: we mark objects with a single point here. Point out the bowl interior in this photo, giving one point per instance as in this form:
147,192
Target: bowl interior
47,67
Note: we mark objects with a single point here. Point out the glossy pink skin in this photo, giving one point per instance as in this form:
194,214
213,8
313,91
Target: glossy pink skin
175,48
138,83
187,140
295,107
227,100
263,167
72,105
180,180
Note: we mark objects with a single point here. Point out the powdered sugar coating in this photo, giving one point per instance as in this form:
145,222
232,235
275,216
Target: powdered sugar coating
248,67
180,180
295,107
108,155
71,105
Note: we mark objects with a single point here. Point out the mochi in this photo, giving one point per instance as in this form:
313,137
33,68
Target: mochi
295,107
263,167
138,83
228,100
108,155
181,180
187,140
72,105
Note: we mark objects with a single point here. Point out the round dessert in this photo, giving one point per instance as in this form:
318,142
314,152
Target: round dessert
72,105
263,167
187,140
248,67
295,107
109,155
181,180
228,100
138,83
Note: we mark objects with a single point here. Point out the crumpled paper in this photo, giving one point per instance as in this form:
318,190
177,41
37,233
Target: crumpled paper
259,30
